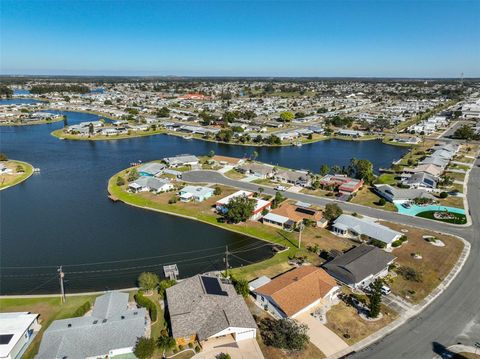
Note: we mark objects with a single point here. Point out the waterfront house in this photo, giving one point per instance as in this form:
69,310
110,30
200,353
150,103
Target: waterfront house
364,230
150,184
360,266
151,169
204,308
195,193
295,292
226,161
392,194
289,216
260,204
17,330
4,169
256,169
351,133
112,329
181,160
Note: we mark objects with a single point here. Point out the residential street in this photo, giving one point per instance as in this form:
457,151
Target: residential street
454,317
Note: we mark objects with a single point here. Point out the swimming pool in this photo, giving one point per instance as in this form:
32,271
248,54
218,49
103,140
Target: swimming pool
414,209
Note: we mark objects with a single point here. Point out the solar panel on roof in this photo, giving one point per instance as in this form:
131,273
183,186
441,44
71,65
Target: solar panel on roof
212,286
5,338
310,212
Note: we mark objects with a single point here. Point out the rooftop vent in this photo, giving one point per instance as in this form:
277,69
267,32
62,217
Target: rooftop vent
122,317
104,321
95,321
69,325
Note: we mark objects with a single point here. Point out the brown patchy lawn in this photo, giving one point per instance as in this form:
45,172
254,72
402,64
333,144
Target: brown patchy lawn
435,265
366,197
451,201
343,319
234,174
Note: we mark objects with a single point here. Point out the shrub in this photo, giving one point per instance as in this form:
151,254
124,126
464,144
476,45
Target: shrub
164,284
197,349
397,243
403,238
190,345
172,200
378,243
217,191
82,310
144,302
120,181
144,348
181,347
443,195
284,334
332,211
133,175
410,274
148,281
382,202
3,157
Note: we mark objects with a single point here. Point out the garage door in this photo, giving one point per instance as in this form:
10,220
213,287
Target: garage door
249,334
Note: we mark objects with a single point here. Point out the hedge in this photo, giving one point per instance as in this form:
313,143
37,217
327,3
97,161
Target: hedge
144,302
82,310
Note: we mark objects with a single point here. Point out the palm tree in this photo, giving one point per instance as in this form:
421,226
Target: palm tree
166,343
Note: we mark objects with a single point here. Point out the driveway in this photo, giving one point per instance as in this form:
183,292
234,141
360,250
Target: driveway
244,349
320,336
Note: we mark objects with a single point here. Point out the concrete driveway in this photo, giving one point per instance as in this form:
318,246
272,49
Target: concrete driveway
244,349
322,337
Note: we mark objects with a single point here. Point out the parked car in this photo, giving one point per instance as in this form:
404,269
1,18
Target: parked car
386,290
280,188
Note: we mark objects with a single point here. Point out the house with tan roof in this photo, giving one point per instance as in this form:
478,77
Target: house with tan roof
295,292
227,161
289,215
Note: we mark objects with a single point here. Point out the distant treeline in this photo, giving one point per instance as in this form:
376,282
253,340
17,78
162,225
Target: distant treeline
5,91
42,89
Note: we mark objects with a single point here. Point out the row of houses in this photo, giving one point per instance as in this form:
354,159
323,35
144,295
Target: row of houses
430,125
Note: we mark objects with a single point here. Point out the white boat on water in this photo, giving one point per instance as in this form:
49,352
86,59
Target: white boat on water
36,170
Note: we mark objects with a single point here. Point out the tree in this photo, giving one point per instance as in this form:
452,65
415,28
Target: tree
382,202
120,181
108,102
287,116
361,169
241,286
132,175
332,211
166,343
65,120
239,209
3,157
279,198
19,169
336,169
443,194
465,133
163,112
148,281
164,284
261,190
90,128
324,170
144,348
254,155
284,334
273,140
375,297
217,191
211,153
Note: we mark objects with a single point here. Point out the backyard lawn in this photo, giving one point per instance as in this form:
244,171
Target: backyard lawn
366,197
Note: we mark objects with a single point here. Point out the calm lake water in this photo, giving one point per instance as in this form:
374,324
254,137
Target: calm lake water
62,216
19,101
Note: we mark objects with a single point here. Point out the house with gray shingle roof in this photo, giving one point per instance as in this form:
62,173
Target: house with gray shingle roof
360,266
112,329
204,307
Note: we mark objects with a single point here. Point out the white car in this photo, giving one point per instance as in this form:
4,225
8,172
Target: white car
386,290
280,188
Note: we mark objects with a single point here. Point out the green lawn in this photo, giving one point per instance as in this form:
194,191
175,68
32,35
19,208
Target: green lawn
8,180
387,178
459,218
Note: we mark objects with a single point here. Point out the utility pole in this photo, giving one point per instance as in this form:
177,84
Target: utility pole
61,275
226,261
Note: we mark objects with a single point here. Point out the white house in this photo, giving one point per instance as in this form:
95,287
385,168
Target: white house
17,331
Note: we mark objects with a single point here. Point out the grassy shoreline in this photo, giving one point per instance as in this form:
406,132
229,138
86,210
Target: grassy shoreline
28,168
31,123
65,136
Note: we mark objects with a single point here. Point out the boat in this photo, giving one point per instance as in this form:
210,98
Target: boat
36,170
298,144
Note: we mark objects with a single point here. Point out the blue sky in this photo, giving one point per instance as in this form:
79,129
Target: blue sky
401,38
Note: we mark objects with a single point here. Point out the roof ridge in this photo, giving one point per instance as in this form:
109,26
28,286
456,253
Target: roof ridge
295,281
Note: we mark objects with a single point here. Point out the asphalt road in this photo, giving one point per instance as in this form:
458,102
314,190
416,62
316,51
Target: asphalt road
454,317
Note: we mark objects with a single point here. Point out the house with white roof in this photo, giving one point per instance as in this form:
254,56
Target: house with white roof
350,226
181,160
150,184
17,331
195,193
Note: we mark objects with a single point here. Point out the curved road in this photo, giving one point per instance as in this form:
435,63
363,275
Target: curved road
454,317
